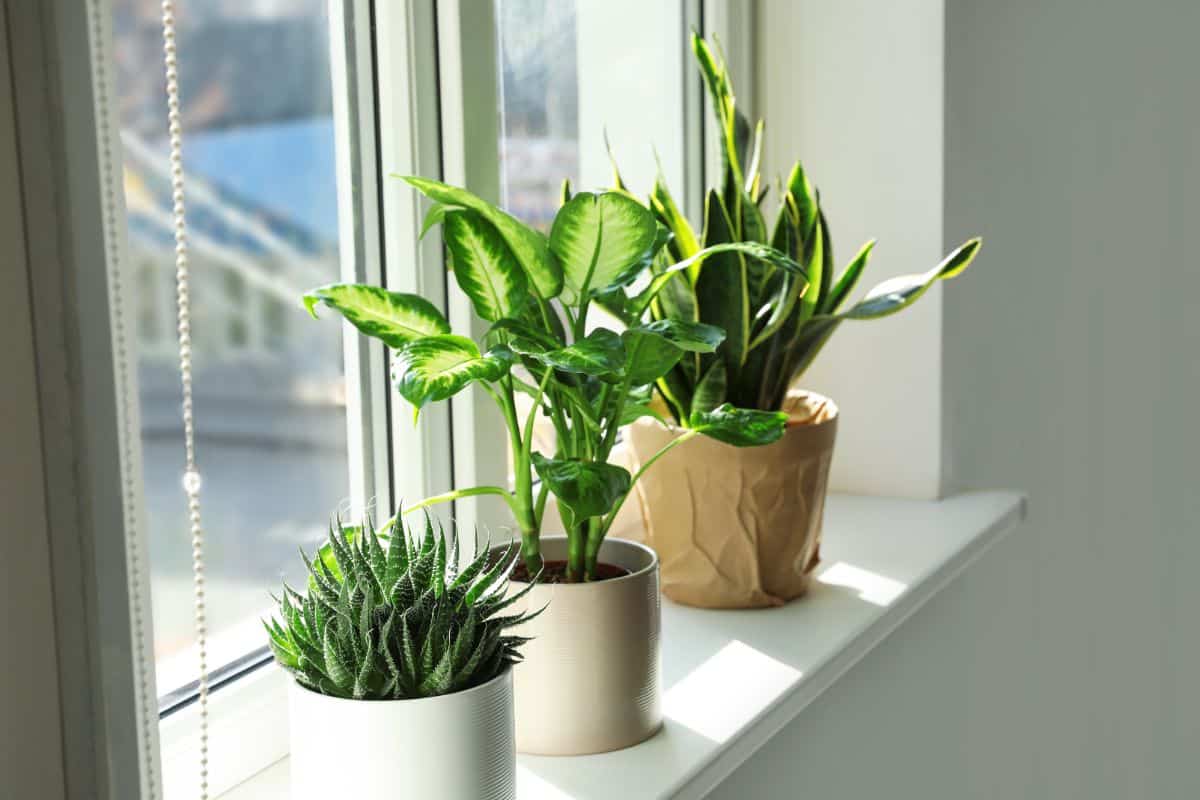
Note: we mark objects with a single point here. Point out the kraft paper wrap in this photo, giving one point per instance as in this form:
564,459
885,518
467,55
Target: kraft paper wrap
737,527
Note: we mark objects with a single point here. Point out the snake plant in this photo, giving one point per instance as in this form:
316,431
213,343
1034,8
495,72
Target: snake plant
398,621
776,320
536,293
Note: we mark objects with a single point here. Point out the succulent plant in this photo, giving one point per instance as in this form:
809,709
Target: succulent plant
386,616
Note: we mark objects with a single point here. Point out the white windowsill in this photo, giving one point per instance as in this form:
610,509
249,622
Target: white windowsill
733,679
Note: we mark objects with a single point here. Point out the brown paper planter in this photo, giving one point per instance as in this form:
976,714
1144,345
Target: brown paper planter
737,527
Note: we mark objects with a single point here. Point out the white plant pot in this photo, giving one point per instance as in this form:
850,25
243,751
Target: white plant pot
590,681
455,747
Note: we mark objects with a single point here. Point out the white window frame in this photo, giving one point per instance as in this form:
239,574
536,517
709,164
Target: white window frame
419,99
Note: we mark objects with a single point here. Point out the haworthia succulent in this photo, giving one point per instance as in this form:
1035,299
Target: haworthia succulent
444,634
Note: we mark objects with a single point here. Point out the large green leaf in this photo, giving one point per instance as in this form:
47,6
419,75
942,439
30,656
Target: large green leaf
694,337
596,238
650,355
392,317
584,488
529,246
438,367
901,292
601,353
741,427
484,266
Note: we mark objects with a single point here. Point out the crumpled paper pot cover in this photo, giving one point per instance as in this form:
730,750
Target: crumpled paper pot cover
737,527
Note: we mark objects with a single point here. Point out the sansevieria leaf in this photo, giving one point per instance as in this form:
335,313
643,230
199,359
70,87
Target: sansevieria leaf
596,238
392,317
438,367
900,292
484,266
529,246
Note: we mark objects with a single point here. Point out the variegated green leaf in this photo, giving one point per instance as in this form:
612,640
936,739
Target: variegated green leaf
438,367
694,337
649,354
596,238
392,317
583,488
529,246
486,269
741,427
601,353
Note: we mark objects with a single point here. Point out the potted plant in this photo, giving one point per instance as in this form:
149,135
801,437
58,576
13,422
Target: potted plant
599,635
761,508
399,659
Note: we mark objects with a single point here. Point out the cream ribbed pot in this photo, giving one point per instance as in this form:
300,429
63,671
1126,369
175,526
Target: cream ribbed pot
591,681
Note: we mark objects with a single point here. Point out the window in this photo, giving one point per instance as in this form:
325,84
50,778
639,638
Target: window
263,227
293,116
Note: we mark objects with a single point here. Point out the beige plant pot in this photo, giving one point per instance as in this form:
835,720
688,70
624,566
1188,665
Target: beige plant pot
737,527
590,681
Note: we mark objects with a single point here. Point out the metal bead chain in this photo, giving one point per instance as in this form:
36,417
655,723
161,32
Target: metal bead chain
191,475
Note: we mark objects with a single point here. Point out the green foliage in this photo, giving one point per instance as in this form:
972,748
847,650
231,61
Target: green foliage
588,381
778,307
394,619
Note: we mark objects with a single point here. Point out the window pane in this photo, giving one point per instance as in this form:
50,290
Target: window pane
572,73
263,227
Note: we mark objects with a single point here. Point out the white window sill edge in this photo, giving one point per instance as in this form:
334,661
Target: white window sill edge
733,679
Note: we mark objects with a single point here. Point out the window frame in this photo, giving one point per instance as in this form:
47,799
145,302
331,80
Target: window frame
410,76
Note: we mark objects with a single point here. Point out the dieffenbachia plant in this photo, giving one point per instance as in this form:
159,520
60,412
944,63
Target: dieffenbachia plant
536,294
775,328
395,619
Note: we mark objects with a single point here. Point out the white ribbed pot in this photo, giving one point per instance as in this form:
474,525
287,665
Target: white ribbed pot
455,747
590,681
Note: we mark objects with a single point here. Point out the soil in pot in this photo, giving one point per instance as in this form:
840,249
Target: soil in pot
556,572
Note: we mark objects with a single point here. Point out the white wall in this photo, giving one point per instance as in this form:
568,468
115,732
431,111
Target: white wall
1073,368
854,90
1064,664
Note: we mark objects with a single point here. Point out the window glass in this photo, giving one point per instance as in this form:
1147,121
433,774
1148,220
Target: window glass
263,227
576,79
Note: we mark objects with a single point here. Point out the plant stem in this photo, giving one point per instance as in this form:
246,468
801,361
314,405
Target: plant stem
576,541
608,520
446,497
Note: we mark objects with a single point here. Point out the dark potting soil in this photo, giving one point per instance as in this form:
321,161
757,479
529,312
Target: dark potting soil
556,572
